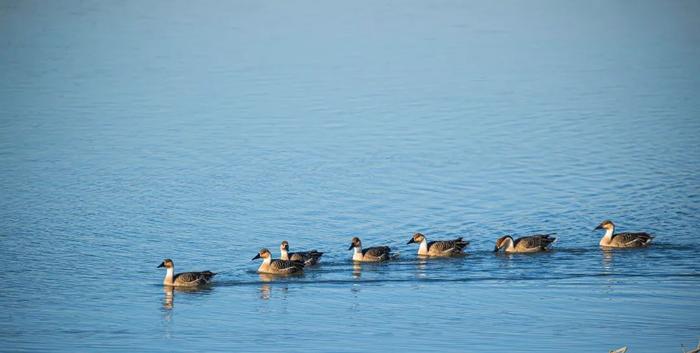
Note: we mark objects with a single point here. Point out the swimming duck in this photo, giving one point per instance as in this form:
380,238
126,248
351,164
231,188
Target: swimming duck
439,247
373,254
307,257
622,240
185,279
278,267
532,243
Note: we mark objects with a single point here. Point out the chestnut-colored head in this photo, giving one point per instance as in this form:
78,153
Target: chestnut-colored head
263,253
606,224
416,238
167,263
355,243
501,242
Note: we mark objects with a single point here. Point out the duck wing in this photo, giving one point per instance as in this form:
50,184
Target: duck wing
632,239
305,255
443,246
308,257
286,266
536,241
194,278
379,252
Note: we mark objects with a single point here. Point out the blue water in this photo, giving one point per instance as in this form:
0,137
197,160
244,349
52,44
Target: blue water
133,131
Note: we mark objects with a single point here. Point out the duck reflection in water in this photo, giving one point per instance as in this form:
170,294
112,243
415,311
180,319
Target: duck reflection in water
168,298
169,294
421,265
370,267
265,291
607,261
356,269
167,311
266,288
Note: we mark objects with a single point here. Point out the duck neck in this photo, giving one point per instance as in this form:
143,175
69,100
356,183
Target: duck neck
607,238
509,246
357,255
284,254
265,264
423,248
169,274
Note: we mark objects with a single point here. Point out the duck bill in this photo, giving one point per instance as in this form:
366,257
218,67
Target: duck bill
411,241
351,246
256,257
600,226
495,249
162,264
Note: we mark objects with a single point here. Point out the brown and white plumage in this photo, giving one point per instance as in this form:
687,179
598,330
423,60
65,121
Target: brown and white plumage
278,267
373,254
453,247
309,258
184,279
622,240
528,244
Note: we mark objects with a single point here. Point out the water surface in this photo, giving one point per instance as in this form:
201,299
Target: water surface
135,131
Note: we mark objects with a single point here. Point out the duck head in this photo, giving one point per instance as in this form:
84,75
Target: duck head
284,246
355,243
606,224
502,242
416,238
167,263
263,253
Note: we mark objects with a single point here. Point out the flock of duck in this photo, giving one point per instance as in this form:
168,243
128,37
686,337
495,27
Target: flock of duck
294,262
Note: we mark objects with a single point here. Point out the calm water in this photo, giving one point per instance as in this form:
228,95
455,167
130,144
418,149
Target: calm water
132,131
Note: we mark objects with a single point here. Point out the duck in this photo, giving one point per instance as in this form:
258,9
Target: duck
622,240
278,267
527,244
309,258
442,248
373,254
184,279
